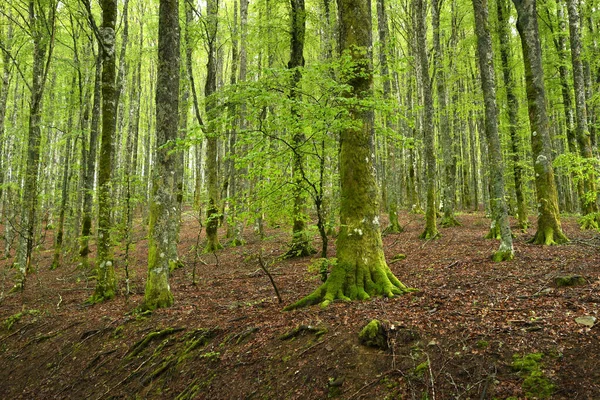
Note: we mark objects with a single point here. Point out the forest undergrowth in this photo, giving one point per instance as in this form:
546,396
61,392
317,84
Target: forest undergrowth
474,329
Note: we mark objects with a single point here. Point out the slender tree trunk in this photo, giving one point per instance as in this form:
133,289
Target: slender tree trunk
41,22
513,109
431,231
164,186
500,224
549,229
88,186
361,270
106,284
589,199
449,201
212,139
6,43
301,244
65,183
389,184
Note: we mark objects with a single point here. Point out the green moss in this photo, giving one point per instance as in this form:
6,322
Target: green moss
569,280
535,384
374,335
13,319
503,255
399,257
421,369
482,344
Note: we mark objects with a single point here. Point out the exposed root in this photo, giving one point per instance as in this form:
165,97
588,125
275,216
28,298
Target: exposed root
143,343
300,329
549,237
360,284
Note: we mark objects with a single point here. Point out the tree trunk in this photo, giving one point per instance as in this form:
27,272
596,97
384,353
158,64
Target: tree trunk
212,140
448,204
390,159
549,230
589,199
41,22
500,224
106,284
513,109
301,243
88,186
361,270
431,231
164,182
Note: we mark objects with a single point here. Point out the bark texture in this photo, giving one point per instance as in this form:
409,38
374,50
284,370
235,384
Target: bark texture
106,284
163,207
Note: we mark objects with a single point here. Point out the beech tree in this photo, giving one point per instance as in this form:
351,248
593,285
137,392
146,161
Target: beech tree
361,270
549,230
164,180
500,226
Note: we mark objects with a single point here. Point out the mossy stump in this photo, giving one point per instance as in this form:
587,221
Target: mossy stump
374,334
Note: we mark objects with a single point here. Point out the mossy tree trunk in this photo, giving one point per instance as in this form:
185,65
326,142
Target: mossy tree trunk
448,205
512,101
500,224
163,206
589,198
361,270
106,284
90,169
212,140
431,230
301,244
390,161
549,229
6,39
42,24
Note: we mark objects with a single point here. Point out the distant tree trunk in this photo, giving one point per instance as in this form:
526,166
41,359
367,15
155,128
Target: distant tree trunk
500,224
361,270
189,54
589,200
448,205
549,230
164,186
90,169
6,43
431,231
390,168
301,243
41,23
106,284
212,139
65,182
513,108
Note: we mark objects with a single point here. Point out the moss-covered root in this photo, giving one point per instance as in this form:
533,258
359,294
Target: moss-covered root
430,234
354,282
449,221
549,237
139,346
503,255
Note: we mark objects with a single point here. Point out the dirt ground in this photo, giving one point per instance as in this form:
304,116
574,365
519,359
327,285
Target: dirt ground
455,338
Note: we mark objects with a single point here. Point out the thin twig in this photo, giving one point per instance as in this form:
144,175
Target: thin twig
264,268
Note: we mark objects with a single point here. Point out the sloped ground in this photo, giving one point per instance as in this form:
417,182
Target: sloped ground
455,338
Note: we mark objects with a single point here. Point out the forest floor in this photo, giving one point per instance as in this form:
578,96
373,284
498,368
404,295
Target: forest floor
462,335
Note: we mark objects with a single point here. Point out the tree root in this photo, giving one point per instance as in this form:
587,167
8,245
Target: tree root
138,347
297,331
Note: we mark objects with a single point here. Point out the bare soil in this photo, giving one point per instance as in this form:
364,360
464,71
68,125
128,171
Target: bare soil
454,338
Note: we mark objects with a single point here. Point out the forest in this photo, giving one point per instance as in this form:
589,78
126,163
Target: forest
303,199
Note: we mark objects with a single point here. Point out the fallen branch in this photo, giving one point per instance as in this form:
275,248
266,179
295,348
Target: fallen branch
264,268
